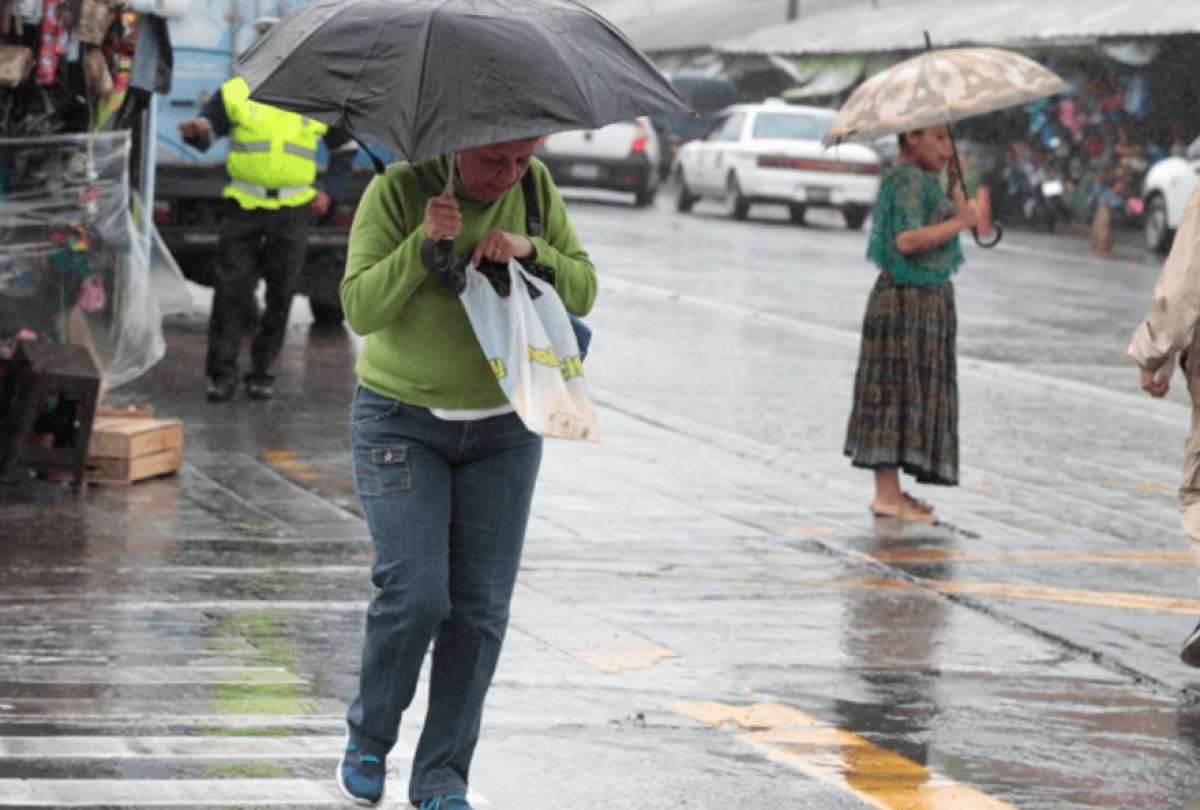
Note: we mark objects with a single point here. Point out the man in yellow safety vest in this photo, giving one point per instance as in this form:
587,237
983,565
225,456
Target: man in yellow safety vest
272,168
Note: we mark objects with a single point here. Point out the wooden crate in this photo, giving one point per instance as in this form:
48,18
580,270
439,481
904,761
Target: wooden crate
126,450
125,411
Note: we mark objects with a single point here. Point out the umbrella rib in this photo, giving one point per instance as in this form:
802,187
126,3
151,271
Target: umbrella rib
928,73
362,66
425,52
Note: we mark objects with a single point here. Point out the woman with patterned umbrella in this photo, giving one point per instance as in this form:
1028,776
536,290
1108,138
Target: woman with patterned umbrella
905,412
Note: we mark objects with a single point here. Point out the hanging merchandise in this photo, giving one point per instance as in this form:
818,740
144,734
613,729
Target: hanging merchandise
95,18
15,63
53,42
30,10
98,80
1137,95
120,50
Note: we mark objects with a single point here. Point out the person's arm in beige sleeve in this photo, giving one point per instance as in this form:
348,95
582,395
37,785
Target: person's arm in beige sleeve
1176,306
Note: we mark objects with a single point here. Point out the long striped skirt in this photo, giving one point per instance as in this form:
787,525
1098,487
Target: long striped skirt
905,411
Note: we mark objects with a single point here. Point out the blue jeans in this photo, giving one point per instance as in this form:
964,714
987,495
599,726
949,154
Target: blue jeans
447,504
583,335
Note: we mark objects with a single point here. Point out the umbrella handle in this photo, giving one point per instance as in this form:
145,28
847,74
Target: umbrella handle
962,181
962,184
997,227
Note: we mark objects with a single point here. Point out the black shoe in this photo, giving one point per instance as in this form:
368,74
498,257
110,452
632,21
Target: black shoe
221,390
1190,654
259,389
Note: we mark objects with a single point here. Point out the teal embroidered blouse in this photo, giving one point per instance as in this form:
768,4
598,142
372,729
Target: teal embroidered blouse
911,198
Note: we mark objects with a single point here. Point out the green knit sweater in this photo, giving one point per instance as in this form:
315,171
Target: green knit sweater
420,347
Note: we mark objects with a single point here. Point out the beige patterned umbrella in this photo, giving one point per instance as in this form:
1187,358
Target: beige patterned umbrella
941,87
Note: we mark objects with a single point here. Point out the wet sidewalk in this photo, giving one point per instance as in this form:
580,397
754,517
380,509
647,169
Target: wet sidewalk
702,619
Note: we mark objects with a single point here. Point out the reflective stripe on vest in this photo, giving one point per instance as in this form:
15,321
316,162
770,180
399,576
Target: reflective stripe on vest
264,193
272,160
300,151
256,146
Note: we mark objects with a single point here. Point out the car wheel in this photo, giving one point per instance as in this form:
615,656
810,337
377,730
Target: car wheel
737,205
645,196
855,217
1158,235
684,199
797,212
326,313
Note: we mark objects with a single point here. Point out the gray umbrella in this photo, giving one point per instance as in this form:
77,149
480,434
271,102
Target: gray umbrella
426,77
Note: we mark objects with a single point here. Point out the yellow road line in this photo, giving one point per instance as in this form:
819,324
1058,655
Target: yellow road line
837,757
931,554
290,463
1067,596
584,637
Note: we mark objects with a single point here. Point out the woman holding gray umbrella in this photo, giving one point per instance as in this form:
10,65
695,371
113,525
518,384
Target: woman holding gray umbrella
905,413
444,467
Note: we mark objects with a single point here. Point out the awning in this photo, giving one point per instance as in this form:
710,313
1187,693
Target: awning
828,82
899,25
689,25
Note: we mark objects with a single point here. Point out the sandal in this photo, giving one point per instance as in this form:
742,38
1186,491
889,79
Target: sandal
908,512
924,506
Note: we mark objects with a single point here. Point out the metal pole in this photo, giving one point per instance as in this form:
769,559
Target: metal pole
235,23
793,10
149,166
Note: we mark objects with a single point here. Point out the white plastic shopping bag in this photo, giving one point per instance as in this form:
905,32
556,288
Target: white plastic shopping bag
533,353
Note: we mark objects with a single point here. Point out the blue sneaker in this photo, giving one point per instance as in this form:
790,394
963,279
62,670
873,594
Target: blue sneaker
361,776
444,803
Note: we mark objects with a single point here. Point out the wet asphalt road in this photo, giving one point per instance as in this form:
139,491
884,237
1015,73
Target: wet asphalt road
708,617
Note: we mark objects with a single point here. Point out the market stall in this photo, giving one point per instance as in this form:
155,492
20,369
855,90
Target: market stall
77,85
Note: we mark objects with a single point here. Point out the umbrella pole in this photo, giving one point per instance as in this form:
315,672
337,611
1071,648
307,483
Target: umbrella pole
962,181
449,189
443,253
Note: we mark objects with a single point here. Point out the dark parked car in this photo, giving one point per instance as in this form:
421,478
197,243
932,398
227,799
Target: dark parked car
707,95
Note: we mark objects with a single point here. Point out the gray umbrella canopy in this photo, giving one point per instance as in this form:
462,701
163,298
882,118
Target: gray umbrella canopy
425,77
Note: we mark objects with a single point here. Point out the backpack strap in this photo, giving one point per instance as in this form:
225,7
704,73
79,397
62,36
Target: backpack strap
533,213
428,186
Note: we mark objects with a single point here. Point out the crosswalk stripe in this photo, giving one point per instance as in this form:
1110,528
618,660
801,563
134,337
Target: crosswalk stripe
185,792
593,641
94,719
186,675
219,747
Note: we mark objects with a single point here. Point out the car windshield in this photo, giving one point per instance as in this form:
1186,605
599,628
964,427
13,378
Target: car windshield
791,126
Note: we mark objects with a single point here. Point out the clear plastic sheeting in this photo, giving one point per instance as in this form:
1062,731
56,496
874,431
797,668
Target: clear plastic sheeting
73,268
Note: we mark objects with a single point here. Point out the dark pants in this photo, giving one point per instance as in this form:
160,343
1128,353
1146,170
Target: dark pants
447,503
254,244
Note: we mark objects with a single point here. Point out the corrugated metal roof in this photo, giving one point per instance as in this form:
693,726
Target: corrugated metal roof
900,24
680,25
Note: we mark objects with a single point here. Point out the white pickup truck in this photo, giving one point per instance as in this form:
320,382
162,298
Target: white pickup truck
1165,193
